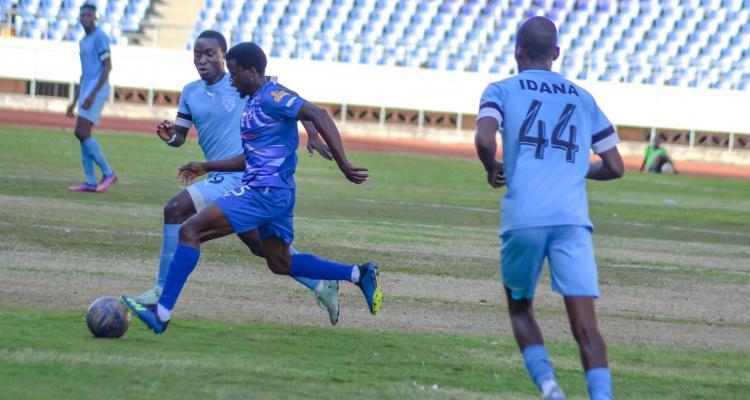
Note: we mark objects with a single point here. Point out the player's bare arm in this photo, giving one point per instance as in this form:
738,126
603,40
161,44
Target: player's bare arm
330,133
72,104
314,142
610,166
171,134
486,145
102,80
188,172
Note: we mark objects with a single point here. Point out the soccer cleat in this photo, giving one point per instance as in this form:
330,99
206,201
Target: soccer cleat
550,391
150,296
84,187
106,182
147,314
328,300
368,282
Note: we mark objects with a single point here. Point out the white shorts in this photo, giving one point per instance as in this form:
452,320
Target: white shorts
206,191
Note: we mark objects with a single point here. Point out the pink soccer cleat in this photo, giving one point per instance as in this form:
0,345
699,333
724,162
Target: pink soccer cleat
106,182
84,187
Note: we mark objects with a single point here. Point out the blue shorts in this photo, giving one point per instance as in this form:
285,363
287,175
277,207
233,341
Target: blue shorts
570,254
94,112
269,209
206,191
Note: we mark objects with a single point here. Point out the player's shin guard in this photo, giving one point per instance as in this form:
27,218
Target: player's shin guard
96,154
538,364
170,239
599,383
183,263
88,166
314,267
312,284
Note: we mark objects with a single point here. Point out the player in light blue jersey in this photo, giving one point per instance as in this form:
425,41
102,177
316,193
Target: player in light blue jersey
549,126
266,199
96,64
215,108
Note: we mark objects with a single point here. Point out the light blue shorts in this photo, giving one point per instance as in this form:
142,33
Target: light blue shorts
269,209
205,192
95,111
569,251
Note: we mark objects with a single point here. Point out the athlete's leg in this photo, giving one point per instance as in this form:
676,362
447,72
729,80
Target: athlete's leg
83,132
522,254
591,344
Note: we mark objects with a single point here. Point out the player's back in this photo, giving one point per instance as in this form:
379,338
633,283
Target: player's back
216,111
547,127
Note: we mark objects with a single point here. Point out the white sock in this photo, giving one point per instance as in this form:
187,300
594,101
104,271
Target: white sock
320,287
162,312
355,274
548,386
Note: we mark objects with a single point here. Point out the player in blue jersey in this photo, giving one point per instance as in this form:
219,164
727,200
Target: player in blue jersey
215,108
266,199
96,64
549,126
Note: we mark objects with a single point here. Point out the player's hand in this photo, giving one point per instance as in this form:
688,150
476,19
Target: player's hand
69,112
188,172
353,173
320,147
165,130
496,176
87,103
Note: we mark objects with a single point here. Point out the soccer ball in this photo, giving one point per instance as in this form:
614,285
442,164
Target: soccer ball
107,317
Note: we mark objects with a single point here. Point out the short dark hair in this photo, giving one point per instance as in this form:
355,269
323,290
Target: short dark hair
538,38
248,54
209,34
90,6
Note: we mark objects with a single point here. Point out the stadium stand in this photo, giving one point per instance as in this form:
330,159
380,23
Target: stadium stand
690,43
694,43
58,19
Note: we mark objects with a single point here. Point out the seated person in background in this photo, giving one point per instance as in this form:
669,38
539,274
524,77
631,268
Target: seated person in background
656,159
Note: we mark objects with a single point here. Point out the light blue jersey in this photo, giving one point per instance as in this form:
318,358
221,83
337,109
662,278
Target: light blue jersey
94,51
270,137
216,111
549,126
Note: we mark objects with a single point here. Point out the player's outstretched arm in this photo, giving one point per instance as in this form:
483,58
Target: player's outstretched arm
188,172
330,133
171,134
314,142
610,166
486,145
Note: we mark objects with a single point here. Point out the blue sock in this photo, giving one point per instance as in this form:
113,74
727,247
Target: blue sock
183,263
169,240
599,382
311,284
88,166
311,266
538,364
96,154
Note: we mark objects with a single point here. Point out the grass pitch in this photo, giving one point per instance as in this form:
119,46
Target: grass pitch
672,253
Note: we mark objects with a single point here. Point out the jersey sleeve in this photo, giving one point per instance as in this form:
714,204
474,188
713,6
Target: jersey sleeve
184,118
281,104
491,104
101,44
603,132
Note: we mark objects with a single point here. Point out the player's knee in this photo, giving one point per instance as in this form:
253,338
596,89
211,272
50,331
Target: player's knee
175,213
278,265
189,233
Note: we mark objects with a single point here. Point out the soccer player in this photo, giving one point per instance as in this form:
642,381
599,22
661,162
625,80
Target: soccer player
549,125
215,108
656,160
266,199
96,64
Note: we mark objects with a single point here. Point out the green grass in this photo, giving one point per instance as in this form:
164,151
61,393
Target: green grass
420,218
50,354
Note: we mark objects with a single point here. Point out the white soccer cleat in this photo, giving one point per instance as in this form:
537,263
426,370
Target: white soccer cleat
550,391
328,299
150,296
